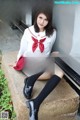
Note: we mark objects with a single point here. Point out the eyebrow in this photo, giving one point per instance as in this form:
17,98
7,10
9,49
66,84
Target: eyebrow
45,18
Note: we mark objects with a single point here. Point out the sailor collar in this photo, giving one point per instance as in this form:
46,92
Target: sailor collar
35,34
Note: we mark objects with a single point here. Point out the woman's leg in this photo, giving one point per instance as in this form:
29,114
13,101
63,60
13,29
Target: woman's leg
29,83
50,85
35,103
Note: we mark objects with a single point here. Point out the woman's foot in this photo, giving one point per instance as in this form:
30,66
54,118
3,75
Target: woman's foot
27,90
33,114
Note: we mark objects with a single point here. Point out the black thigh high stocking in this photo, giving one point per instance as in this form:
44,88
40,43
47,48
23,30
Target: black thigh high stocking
32,79
50,85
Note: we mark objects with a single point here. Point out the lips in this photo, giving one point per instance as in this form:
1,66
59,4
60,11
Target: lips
41,25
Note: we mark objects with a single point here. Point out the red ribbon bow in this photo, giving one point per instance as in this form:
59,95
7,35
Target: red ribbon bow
36,42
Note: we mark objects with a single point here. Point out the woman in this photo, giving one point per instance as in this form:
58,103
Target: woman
36,46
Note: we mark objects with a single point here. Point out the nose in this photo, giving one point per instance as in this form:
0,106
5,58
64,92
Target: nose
42,21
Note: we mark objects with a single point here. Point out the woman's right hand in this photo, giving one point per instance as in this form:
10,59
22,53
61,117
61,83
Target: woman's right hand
12,65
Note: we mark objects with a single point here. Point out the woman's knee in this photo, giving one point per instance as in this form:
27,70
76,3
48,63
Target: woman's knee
45,76
48,74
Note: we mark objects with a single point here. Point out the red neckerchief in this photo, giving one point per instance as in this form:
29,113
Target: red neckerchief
36,43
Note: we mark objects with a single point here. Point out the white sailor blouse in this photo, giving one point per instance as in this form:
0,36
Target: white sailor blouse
35,47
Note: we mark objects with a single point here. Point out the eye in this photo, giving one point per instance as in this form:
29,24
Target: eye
40,17
46,19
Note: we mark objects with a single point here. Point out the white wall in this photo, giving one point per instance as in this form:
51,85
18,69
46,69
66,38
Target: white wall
67,21
75,51
64,20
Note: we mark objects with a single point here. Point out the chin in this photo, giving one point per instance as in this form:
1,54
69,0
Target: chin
40,27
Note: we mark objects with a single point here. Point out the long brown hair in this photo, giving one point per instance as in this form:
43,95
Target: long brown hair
48,13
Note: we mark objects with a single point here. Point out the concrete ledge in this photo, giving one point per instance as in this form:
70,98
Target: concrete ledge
61,104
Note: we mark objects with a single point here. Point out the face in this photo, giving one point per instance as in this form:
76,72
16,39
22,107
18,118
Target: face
42,21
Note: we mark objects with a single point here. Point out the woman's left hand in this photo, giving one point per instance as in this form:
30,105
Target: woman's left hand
55,54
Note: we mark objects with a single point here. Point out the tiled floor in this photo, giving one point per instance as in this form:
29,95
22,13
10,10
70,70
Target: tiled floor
10,41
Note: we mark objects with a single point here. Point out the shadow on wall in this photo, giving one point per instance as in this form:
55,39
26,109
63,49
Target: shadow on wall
63,18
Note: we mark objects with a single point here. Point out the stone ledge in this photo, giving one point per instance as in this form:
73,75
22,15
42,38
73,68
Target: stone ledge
0,56
61,104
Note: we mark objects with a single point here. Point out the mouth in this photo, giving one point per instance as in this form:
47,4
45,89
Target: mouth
41,25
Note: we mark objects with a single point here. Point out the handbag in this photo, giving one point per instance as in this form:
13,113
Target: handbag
20,64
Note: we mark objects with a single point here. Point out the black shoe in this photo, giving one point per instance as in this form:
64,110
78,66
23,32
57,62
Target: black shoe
33,114
27,90
25,80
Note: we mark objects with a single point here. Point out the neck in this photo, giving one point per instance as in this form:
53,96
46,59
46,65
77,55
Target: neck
41,30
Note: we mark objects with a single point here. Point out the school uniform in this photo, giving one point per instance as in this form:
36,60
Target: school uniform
36,48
